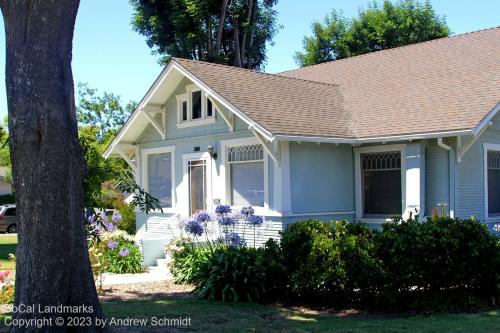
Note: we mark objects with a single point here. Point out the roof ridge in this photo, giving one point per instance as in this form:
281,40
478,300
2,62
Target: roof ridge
392,49
255,71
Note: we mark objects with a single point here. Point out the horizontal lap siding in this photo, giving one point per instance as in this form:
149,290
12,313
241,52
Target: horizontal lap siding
470,178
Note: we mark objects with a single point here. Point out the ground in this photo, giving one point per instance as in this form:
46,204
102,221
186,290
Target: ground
167,300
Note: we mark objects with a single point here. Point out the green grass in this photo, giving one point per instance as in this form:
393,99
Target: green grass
227,317
8,243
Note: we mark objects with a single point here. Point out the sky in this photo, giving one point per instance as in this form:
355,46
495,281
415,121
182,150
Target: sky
111,57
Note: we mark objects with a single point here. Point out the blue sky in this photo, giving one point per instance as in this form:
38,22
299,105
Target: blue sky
111,57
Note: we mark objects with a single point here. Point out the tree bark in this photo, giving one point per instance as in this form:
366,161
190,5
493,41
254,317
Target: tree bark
220,28
52,267
236,39
252,34
245,32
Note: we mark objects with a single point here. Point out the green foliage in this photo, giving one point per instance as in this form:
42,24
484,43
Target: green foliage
443,254
189,262
128,219
377,28
326,262
105,113
228,32
233,275
132,263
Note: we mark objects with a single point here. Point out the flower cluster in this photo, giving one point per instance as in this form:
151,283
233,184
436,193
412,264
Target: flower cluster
227,223
194,226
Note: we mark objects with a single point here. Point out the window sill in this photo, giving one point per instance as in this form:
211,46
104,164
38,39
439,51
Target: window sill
374,220
196,122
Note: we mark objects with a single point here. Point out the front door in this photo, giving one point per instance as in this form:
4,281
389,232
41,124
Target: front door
197,173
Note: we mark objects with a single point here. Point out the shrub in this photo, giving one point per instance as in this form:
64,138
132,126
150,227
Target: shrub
328,262
6,287
426,262
188,261
128,219
232,274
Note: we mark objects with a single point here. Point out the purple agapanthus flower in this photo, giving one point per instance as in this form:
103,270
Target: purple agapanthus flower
91,219
112,244
103,216
223,209
110,227
233,239
255,220
194,227
247,211
203,217
124,252
226,220
117,218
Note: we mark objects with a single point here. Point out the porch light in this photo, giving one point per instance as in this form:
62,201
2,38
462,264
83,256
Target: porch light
211,151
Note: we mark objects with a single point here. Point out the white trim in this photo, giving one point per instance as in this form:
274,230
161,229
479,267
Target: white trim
211,93
184,194
462,150
320,214
144,172
271,150
224,170
196,122
486,120
285,190
155,124
488,147
187,97
357,175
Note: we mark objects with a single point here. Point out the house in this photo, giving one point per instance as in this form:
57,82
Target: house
364,138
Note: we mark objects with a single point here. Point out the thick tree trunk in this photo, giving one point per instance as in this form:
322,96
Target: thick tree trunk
236,38
52,265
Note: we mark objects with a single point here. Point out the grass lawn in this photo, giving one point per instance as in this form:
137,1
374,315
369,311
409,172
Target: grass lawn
219,317
8,243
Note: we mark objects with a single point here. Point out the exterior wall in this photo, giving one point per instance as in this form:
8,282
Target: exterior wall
437,177
321,179
469,181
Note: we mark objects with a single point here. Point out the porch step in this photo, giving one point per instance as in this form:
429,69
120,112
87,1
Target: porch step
161,268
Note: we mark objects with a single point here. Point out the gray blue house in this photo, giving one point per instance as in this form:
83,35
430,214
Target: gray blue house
364,138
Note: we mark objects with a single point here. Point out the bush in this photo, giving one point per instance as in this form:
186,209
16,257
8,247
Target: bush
6,287
327,262
425,262
128,219
188,261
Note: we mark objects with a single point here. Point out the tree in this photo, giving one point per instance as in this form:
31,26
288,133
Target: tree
376,28
104,112
52,265
231,32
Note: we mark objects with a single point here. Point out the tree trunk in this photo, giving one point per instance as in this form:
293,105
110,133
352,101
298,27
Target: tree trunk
52,265
252,34
248,26
220,28
236,38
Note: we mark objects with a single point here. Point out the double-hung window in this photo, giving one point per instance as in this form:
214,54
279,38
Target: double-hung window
246,175
493,182
194,108
158,175
381,183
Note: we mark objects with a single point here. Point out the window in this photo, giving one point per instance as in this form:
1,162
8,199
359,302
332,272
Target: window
493,182
196,105
10,212
194,108
246,175
159,177
381,183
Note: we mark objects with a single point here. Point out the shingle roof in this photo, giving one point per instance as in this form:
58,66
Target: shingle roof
447,84
282,105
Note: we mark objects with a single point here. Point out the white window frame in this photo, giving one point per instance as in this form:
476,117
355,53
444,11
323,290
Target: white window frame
225,173
486,148
187,96
358,181
159,150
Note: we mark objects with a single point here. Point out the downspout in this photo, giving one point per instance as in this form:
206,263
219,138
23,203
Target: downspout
451,176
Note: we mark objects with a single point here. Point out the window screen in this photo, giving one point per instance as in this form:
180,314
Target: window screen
493,183
381,183
246,165
160,178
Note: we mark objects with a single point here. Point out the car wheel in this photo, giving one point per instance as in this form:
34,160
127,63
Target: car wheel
12,229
